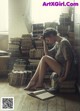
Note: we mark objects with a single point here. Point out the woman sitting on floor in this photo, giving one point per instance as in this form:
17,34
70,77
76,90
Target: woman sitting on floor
59,59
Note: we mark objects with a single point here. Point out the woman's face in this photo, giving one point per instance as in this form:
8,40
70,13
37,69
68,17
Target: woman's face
51,39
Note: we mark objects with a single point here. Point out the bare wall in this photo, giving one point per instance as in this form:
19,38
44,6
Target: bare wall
17,25
4,42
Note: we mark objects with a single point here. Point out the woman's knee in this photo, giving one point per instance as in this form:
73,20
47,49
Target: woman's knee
44,58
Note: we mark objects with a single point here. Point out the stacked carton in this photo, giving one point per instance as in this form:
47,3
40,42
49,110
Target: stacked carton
37,29
51,24
36,53
34,57
14,47
65,22
26,43
68,87
39,44
19,76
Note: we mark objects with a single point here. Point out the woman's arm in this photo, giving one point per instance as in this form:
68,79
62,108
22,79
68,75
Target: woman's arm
67,56
45,47
46,52
68,64
50,52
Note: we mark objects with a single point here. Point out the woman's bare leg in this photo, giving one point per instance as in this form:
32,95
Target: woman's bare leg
52,63
40,71
34,78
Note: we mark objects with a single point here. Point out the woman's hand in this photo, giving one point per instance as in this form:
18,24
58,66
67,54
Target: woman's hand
61,79
42,38
45,47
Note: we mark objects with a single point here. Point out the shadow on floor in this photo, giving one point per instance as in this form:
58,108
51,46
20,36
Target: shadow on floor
70,96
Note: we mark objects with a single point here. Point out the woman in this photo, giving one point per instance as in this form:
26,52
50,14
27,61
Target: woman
59,58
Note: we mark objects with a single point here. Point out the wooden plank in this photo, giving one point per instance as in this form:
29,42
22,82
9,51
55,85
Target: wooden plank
30,104
60,106
72,105
24,102
52,104
43,105
60,101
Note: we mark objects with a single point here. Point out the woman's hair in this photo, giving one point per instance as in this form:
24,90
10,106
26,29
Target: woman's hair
49,31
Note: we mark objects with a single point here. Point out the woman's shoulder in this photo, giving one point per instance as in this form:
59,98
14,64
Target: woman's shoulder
65,41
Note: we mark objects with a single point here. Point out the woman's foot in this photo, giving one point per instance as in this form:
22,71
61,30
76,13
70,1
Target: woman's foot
30,84
37,87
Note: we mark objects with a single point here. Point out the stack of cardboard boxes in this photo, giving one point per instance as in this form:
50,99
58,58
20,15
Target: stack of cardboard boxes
19,76
14,47
26,45
51,24
37,29
65,22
